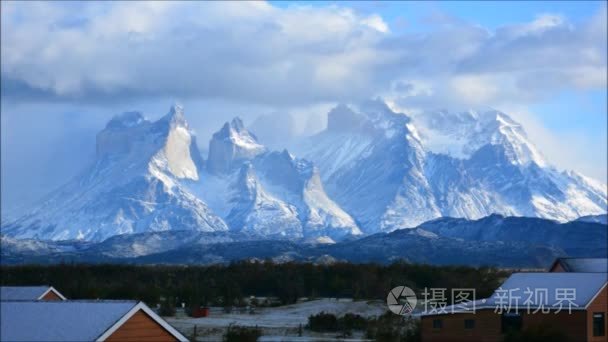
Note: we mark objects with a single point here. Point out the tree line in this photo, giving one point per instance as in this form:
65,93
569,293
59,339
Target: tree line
226,285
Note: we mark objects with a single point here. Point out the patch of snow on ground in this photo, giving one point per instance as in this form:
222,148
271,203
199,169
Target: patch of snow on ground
277,323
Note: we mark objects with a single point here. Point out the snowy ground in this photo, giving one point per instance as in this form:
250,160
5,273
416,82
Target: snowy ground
278,323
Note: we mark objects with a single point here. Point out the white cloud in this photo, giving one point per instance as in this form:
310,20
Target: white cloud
256,54
474,89
541,24
240,50
376,22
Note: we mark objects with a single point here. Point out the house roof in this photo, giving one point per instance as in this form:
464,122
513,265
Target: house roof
69,320
26,292
585,286
587,265
524,286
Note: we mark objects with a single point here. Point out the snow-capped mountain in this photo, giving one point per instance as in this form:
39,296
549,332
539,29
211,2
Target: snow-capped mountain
373,165
461,134
391,171
268,192
150,177
133,186
371,170
232,145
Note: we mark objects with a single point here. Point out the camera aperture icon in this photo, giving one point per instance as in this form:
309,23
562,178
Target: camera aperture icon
401,300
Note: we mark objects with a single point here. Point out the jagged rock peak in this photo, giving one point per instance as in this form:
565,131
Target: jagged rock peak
232,144
234,128
368,117
237,124
343,118
126,120
461,133
176,116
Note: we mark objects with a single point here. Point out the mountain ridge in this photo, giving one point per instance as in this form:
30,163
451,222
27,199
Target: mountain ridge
270,191
491,241
486,165
132,186
370,171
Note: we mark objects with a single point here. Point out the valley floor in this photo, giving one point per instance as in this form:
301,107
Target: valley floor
278,323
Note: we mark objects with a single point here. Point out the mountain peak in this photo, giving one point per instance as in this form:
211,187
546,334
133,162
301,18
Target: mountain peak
493,119
177,108
370,117
232,143
117,137
460,134
237,124
285,153
343,119
147,178
168,142
180,150
233,128
125,120
176,116
511,135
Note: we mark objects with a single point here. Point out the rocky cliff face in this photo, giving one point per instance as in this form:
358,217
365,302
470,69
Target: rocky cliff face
133,186
391,171
372,170
268,192
231,145
149,176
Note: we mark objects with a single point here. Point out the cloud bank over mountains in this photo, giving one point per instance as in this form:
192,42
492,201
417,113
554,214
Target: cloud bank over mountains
67,67
256,52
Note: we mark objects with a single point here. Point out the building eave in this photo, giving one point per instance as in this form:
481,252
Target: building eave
595,296
52,289
143,307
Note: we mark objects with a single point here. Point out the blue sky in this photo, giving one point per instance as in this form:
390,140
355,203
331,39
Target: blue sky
490,14
563,112
567,111
67,67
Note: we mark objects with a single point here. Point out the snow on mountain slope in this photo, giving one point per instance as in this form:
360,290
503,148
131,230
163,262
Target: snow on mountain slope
392,172
231,145
498,170
461,134
270,193
374,170
133,186
372,164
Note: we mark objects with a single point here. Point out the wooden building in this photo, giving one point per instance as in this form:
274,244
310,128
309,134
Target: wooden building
126,321
581,265
490,319
30,293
